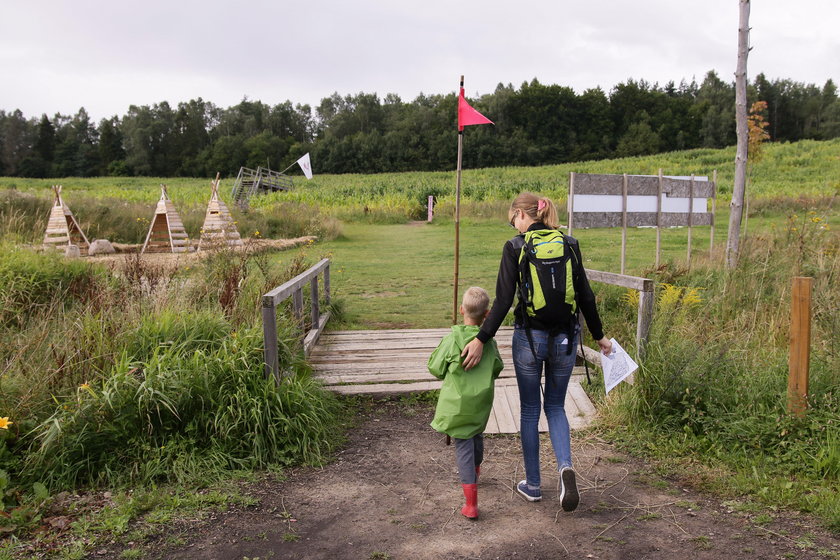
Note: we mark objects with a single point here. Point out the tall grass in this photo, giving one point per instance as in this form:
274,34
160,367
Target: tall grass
122,219
714,379
184,413
29,281
152,376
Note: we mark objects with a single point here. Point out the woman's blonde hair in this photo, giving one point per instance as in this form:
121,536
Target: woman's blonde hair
538,208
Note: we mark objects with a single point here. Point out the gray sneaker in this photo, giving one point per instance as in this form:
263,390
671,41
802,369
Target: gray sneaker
569,497
530,494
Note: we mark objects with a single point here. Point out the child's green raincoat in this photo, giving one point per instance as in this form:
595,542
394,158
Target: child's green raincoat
466,397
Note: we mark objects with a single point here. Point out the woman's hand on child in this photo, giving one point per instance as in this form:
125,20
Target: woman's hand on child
472,353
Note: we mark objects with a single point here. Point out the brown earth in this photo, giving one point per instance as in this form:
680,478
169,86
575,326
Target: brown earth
393,492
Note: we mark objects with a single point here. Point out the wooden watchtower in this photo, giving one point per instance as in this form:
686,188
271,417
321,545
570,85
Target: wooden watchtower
253,181
166,233
62,228
219,229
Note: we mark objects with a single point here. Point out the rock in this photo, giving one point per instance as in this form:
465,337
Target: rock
72,252
101,247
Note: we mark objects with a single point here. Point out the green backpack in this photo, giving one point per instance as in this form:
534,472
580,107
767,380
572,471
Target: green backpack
547,267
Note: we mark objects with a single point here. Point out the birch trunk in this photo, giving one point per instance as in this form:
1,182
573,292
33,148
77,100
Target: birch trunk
737,206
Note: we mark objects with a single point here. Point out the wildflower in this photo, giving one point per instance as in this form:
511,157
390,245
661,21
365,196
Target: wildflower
816,219
5,423
86,387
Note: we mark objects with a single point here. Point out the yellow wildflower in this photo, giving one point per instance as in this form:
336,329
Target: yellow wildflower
5,423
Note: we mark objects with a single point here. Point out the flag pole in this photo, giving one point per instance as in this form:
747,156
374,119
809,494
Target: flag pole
457,218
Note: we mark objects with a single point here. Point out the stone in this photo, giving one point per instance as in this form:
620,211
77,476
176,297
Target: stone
101,247
72,252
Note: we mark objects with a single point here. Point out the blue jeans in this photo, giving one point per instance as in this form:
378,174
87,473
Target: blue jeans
551,353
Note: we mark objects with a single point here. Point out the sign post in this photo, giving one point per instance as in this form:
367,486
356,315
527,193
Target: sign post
800,345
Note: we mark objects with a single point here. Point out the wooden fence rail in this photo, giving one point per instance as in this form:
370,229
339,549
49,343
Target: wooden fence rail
645,289
294,289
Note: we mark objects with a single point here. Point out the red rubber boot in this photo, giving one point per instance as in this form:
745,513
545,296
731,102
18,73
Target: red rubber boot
470,510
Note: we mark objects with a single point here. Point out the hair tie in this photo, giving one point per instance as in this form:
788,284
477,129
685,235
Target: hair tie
540,204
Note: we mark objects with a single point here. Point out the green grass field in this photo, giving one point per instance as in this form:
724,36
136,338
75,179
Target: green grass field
808,169
402,275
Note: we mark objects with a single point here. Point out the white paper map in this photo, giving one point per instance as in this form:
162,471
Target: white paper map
617,366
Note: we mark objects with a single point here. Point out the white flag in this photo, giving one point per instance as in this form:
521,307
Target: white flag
305,165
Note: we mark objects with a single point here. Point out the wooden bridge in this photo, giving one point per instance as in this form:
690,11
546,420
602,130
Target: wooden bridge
394,361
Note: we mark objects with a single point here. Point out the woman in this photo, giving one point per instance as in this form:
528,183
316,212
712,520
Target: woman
541,342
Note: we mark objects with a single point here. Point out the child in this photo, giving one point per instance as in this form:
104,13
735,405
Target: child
466,398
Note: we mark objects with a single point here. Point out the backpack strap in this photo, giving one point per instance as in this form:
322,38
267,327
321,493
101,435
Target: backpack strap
524,296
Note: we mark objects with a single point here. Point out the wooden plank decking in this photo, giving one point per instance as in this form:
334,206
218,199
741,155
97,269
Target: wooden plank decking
394,361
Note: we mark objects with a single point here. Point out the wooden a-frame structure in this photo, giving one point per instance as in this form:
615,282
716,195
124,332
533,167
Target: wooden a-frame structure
62,227
219,229
166,232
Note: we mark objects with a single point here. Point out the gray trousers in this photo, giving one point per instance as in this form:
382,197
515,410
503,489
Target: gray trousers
469,453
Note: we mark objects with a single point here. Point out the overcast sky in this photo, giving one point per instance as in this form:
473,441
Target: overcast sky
57,56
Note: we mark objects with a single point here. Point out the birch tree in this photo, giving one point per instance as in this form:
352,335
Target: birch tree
736,208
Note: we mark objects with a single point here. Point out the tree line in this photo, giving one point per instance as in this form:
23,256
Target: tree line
536,124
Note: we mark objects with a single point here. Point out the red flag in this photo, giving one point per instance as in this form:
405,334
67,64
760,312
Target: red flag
467,115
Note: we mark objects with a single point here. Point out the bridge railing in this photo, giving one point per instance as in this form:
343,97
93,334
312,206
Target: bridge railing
645,314
294,289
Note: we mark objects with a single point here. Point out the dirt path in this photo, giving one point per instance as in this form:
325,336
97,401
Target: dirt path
393,493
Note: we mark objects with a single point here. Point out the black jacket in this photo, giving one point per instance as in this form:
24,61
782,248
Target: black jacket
507,283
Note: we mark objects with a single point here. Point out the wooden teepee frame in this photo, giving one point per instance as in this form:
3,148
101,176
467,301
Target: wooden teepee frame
219,229
166,233
62,228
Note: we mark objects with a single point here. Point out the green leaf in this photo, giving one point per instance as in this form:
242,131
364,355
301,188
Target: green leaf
40,491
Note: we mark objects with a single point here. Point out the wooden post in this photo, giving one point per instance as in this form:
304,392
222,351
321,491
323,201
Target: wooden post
430,208
659,219
270,353
571,203
800,345
690,213
714,207
327,284
646,301
623,223
297,306
313,301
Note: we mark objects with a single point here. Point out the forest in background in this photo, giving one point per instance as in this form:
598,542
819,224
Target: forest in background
535,124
